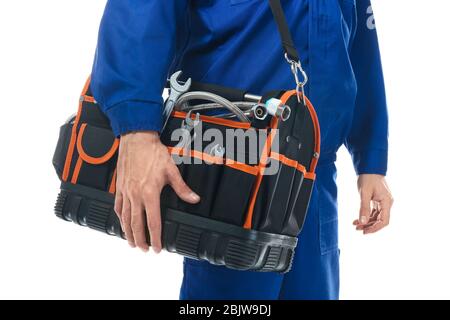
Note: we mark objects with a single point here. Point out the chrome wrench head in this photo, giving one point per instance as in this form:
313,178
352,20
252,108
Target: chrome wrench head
177,86
188,125
177,89
192,123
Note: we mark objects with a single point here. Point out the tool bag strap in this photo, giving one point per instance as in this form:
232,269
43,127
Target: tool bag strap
283,30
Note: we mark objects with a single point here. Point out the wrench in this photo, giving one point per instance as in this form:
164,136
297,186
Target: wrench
187,126
176,90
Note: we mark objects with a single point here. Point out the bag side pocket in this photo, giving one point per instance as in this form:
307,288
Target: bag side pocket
233,195
298,205
96,158
203,179
273,198
59,157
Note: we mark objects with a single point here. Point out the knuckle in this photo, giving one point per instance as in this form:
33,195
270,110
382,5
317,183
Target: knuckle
136,225
148,191
126,210
133,191
154,225
131,188
126,218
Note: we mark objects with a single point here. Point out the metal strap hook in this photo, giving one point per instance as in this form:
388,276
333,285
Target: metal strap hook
297,70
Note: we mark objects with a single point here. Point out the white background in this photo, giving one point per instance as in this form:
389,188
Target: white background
47,49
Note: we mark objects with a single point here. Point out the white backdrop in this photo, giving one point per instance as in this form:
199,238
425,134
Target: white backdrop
47,49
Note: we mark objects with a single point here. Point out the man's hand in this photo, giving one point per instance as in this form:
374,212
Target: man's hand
376,203
144,167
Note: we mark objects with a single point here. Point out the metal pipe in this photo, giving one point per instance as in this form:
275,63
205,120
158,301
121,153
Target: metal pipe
252,97
202,95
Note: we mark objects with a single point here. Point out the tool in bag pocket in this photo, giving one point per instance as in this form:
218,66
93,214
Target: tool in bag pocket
254,199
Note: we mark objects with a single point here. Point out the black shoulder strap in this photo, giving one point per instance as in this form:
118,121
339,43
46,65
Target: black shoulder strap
283,29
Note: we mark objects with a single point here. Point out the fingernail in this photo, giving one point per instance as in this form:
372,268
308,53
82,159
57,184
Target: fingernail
156,250
194,197
364,220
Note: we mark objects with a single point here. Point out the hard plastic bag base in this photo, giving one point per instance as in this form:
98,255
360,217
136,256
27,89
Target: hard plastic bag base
189,235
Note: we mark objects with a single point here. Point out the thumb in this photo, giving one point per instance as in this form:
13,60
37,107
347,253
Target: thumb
181,188
364,211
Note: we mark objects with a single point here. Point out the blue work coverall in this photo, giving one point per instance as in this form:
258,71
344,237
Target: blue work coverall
235,43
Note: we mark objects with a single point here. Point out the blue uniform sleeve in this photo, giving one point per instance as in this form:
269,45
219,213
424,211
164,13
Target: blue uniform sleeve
367,141
136,46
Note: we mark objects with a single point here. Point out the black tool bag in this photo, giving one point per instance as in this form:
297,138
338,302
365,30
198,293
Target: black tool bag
250,211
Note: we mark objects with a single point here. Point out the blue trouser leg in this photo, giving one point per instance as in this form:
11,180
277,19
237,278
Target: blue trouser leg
203,281
315,271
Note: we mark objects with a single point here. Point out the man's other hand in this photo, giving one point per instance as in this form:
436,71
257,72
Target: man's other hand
376,203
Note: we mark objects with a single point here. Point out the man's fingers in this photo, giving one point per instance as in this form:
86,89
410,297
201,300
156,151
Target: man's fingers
375,228
385,208
153,213
380,224
384,216
138,225
126,221
180,187
365,210
118,204
374,217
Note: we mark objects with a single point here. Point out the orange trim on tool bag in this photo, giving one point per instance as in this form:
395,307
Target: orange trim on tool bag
89,99
310,176
219,121
289,162
242,167
76,171
215,160
88,158
112,186
315,120
294,164
73,137
262,164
